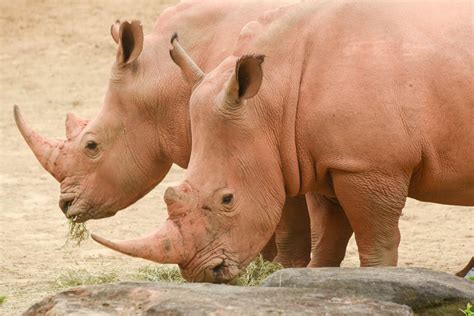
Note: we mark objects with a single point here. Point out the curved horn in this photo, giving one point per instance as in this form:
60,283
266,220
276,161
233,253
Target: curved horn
45,150
191,71
164,245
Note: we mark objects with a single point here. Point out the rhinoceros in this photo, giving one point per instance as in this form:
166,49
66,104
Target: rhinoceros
108,163
358,105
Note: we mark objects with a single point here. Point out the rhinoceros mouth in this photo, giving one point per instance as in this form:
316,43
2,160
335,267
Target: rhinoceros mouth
65,203
74,210
218,270
79,215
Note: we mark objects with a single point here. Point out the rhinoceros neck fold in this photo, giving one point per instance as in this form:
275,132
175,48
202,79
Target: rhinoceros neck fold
200,26
283,70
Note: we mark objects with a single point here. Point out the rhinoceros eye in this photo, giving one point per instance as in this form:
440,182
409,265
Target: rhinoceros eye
227,198
92,145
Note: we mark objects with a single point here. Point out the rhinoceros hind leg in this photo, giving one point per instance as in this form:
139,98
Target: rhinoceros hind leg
373,203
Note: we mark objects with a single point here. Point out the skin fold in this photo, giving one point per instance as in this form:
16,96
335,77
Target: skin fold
357,105
111,161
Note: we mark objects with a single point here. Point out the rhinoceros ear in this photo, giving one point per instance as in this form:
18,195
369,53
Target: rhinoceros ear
115,31
74,125
246,79
191,72
130,40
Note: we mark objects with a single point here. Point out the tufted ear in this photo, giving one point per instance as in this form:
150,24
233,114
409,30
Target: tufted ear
191,72
114,31
246,79
130,41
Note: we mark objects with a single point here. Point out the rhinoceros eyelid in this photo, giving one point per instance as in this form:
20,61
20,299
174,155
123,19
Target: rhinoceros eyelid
88,136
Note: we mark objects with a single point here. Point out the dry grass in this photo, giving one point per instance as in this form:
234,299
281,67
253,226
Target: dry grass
253,275
257,271
77,232
83,277
162,273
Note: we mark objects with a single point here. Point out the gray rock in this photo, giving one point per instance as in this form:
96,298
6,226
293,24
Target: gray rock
425,291
206,299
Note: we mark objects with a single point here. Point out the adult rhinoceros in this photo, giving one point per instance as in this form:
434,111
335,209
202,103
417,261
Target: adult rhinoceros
110,162
358,105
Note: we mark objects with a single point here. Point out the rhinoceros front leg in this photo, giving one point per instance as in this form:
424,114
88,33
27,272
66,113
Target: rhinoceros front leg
269,252
373,203
293,234
330,231
291,243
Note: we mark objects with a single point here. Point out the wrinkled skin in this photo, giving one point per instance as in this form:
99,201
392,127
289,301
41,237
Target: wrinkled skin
352,111
110,162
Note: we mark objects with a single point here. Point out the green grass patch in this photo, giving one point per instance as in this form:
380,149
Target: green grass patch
3,299
471,278
255,273
468,311
82,277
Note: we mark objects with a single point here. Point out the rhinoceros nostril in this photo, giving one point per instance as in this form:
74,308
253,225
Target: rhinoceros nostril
65,204
218,269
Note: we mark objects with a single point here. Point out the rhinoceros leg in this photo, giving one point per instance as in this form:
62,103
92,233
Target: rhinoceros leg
293,234
291,243
330,231
269,252
373,203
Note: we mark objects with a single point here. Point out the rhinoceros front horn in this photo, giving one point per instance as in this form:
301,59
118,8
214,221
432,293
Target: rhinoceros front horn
163,245
45,150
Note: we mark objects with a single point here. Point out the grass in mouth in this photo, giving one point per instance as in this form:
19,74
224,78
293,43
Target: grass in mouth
77,232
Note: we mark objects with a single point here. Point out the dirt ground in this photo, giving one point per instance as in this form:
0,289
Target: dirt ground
55,57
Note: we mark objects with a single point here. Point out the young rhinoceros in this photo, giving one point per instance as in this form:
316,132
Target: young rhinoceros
358,105
110,162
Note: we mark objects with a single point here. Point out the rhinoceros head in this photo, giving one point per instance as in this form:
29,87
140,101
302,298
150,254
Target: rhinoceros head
228,207
113,160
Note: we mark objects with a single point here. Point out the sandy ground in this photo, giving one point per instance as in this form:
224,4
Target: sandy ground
55,57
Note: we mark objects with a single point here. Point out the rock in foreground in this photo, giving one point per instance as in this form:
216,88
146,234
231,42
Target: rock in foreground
324,291
204,299
425,291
